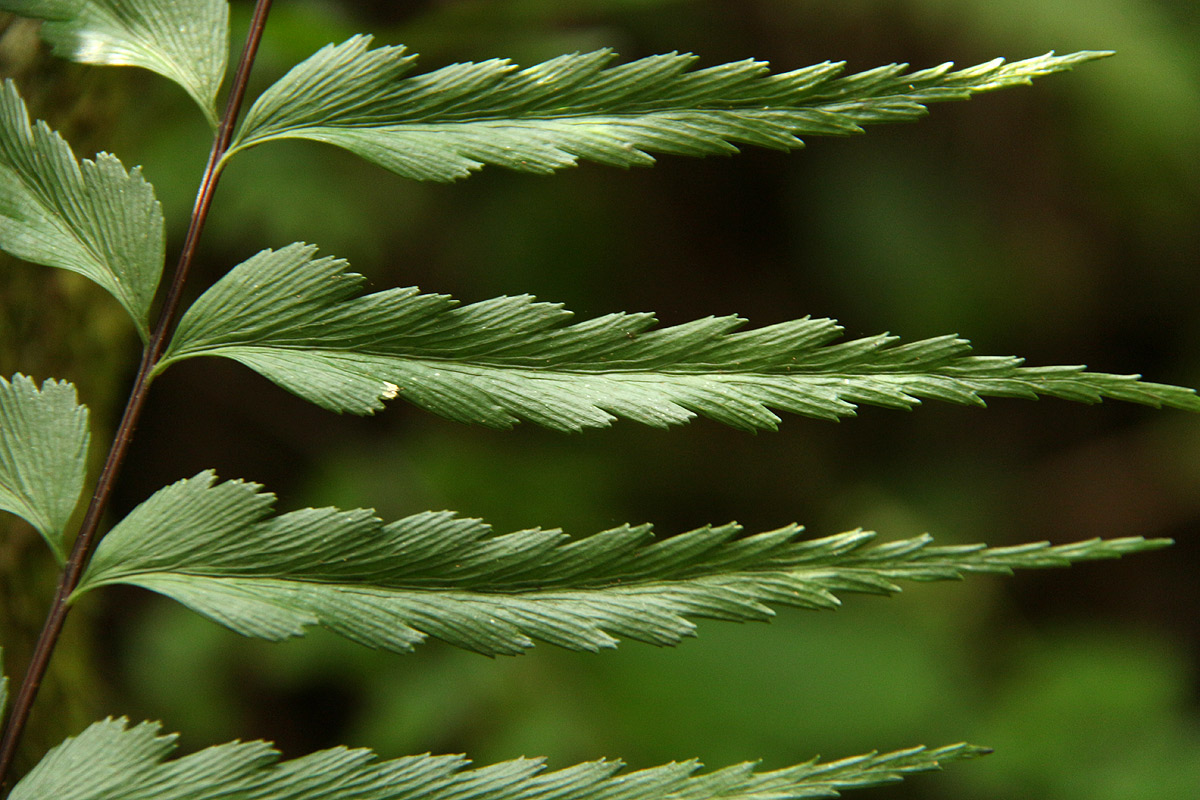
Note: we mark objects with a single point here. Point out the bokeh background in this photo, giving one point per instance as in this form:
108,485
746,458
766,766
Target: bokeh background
1058,222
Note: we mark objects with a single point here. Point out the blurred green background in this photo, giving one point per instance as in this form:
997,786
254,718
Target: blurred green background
1058,222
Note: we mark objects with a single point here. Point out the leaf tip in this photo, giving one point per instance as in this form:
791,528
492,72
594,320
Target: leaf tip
1154,544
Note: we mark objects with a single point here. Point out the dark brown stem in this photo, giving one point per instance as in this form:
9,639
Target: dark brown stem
87,537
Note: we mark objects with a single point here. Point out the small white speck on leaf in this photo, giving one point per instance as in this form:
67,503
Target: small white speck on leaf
390,390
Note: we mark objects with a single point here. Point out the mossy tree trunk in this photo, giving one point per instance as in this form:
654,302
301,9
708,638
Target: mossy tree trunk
56,324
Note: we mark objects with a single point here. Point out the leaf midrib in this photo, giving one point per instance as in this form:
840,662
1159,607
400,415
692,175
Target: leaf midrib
519,119
615,585
633,372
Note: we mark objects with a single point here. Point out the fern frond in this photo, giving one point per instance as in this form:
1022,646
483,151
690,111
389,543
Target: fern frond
297,321
43,455
445,124
112,761
186,41
90,217
214,548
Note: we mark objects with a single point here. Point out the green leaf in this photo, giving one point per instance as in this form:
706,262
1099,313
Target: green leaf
90,217
444,124
186,41
43,455
3,686
214,548
298,322
110,761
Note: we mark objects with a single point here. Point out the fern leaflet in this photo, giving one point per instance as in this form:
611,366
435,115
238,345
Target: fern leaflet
90,217
214,548
297,321
445,124
43,455
112,761
186,41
